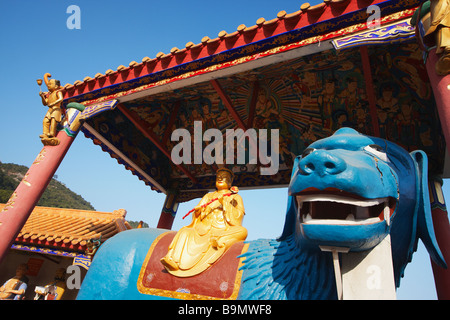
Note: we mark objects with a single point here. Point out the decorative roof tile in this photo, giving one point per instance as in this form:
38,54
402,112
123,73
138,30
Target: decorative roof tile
70,229
306,16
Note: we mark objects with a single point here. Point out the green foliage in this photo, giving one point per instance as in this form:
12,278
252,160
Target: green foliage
5,195
56,195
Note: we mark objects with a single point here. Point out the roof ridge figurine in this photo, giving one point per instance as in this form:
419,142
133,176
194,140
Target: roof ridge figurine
53,100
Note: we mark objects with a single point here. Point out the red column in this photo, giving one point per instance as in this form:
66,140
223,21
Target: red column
442,232
24,199
165,221
169,211
441,90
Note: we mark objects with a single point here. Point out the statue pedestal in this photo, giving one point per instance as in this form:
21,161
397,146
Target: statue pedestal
369,275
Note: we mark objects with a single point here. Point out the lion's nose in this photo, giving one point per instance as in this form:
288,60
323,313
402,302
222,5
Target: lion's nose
322,162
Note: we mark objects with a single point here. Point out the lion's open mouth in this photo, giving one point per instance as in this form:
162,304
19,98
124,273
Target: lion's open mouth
343,209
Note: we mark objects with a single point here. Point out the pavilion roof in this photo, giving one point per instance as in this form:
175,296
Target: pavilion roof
323,18
289,61
69,229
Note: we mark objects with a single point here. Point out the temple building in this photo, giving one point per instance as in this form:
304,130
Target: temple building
54,238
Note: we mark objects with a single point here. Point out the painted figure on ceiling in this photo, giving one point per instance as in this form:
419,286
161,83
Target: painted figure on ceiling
406,123
265,110
195,116
388,101
216,225
413,76
362,118
383,122
155,118
209,118
340,119
329,101
351,95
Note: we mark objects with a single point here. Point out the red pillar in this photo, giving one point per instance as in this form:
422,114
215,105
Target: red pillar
441,90
442,232
24,199
169,211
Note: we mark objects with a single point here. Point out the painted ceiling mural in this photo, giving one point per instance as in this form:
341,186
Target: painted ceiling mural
305,99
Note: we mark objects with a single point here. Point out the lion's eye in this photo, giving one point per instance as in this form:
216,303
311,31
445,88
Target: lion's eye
307,152
376,147
377,151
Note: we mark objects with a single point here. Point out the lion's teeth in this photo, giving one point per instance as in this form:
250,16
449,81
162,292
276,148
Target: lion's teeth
339,199
387,213
360,212
342,222
350,217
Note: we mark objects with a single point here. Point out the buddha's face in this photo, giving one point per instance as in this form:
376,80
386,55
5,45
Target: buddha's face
223,180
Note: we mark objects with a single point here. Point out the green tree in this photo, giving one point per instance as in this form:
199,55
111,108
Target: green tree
55,195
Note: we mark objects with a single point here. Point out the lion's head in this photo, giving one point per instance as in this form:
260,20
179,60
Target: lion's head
351,190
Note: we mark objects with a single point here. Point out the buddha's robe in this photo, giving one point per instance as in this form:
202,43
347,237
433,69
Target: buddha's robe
214,228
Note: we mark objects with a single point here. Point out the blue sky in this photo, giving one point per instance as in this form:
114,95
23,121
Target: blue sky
36,40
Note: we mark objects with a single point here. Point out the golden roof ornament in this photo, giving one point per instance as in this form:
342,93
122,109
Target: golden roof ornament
53,100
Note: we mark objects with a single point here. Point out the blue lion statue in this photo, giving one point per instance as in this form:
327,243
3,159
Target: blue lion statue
348,190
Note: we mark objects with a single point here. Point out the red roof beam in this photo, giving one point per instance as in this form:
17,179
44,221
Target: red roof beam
251,113
173,117
370,89
228,104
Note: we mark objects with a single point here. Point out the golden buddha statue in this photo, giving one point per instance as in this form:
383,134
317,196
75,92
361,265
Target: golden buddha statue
216,225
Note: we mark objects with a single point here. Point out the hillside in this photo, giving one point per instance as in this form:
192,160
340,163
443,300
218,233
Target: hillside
56,195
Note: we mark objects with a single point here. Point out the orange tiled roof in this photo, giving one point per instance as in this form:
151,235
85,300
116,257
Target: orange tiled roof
70,229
